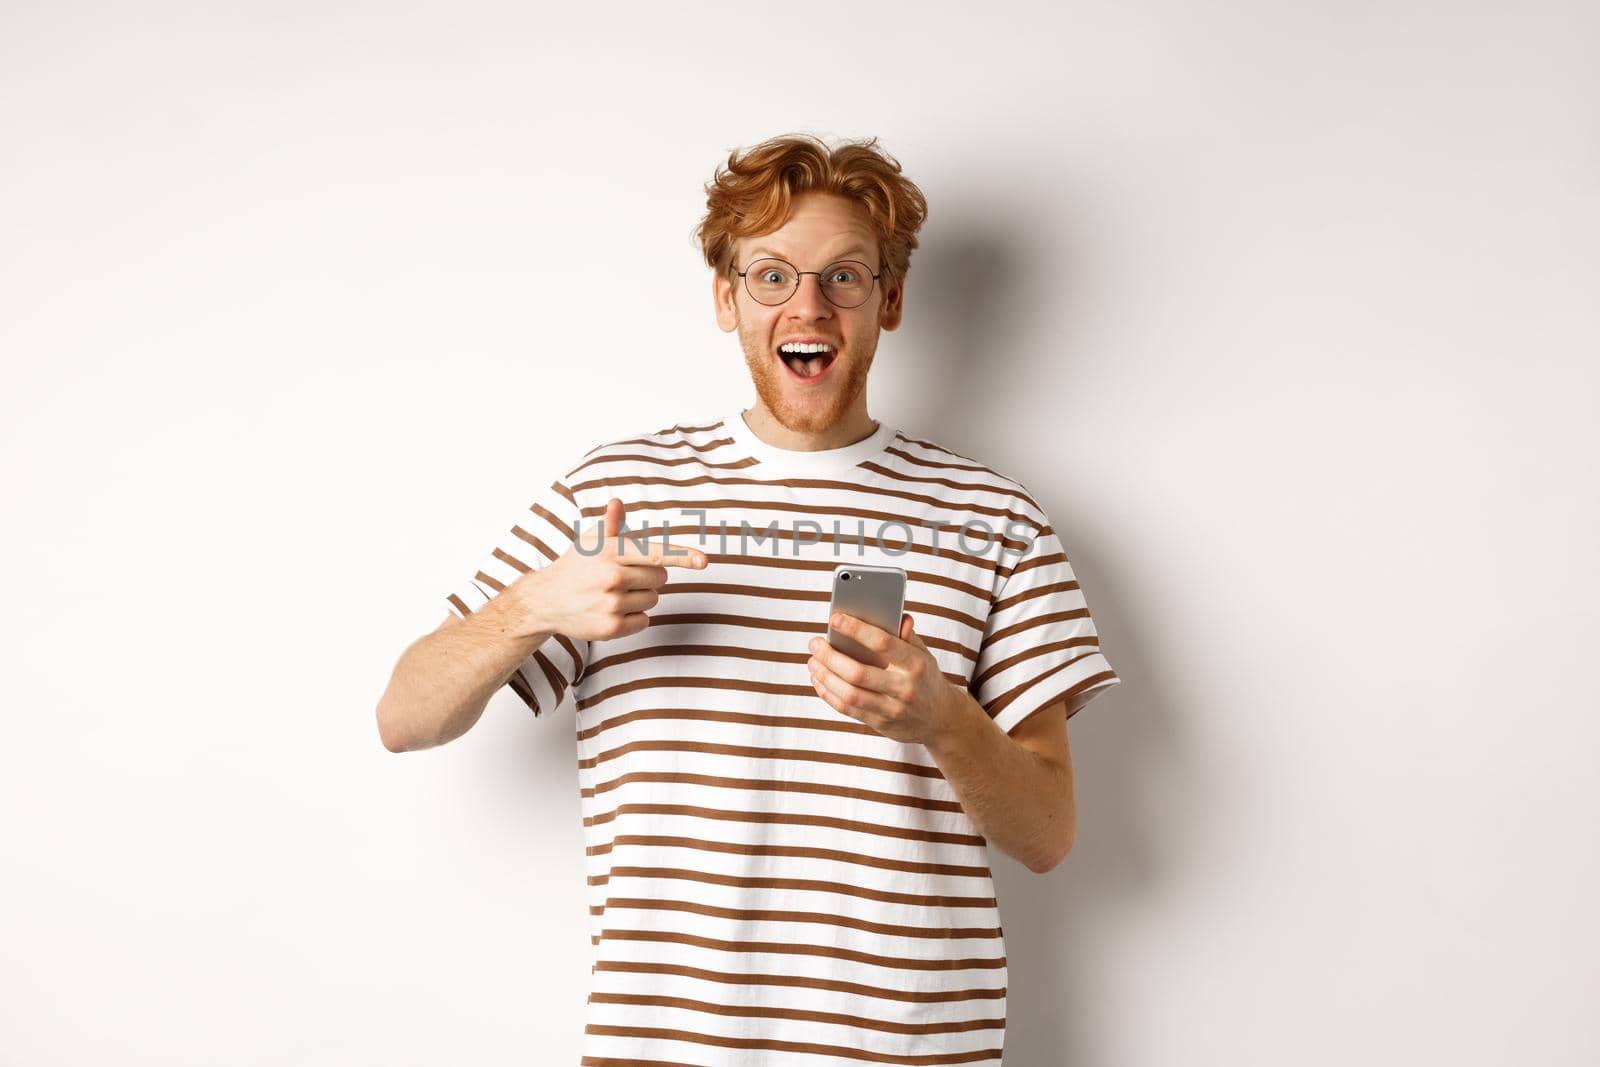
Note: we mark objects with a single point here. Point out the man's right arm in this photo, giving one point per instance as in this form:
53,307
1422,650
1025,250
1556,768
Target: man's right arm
444,679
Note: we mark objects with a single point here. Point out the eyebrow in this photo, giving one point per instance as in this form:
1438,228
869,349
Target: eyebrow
763,250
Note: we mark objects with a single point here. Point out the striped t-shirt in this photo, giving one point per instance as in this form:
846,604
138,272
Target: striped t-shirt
770,880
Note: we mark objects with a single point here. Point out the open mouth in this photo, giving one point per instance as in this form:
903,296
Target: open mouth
807,366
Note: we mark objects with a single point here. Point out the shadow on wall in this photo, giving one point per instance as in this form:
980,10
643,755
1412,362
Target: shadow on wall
972,300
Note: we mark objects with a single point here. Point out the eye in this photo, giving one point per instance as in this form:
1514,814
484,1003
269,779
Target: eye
849,275
767,275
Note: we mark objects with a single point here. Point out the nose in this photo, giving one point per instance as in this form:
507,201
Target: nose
808,301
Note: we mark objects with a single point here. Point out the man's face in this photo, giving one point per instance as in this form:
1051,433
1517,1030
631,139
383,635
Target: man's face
822,230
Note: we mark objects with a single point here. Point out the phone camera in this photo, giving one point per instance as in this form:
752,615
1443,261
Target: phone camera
844,576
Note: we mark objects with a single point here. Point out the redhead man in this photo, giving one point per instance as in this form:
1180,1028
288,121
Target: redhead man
787,847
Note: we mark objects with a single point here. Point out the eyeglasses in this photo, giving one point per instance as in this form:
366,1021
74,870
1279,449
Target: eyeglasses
846,284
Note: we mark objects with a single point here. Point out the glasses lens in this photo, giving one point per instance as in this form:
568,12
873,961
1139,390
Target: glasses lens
847,283
770,281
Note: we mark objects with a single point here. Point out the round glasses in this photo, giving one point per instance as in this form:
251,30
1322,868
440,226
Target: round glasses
846,284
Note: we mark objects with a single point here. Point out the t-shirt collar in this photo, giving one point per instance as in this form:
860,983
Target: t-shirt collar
798,461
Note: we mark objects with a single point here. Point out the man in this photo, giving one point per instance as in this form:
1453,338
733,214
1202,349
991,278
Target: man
786,846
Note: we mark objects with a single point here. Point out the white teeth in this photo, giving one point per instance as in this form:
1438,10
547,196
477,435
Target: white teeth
803,348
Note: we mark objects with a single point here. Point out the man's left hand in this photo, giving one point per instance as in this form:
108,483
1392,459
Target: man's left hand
909,699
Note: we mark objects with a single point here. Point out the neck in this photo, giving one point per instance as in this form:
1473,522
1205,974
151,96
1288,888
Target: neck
857,425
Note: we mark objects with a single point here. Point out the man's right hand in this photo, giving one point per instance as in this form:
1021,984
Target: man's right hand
604,594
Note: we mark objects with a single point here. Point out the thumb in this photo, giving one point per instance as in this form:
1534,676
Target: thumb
613,520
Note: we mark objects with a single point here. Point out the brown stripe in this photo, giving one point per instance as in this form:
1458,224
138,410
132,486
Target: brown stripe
1033,653
738,685
775,785
1013,487
556,520
1031,621
698,447
996,706
949,933
505,557
943,451
811,885
712,527
1007,570
907,833
1088,683
523,690
923,461
697,681
749,654
557,683
756,1011
706,618
1034,594
791,1046
828,919
572,650
834,952
841,724
812,596
712,618
907,552
913,574
808,755
679,428
953,870
965,507
550,554
808,595
493,583
805,981
835,724
997,490
672,649
705,460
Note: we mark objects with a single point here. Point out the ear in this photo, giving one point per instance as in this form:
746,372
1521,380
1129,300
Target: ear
722,295
893,309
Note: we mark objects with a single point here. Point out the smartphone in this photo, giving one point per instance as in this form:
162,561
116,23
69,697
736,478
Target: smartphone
874,594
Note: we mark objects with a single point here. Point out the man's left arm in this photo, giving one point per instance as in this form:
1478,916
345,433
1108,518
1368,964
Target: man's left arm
1016,788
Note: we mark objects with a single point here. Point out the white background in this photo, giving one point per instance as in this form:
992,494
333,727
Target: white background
1287,312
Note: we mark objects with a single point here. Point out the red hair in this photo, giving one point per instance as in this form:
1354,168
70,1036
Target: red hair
754,193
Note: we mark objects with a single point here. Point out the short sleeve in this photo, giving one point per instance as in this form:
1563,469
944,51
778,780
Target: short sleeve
1039,641
539,534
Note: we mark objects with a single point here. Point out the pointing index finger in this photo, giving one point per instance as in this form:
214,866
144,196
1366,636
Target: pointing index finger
661,554
678,557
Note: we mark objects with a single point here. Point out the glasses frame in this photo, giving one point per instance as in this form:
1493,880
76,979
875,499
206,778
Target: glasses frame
798,274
